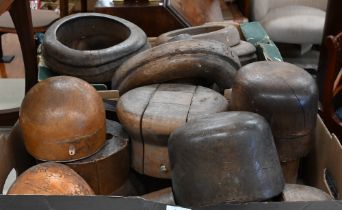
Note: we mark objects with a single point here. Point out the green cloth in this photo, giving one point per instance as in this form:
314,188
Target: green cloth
256,35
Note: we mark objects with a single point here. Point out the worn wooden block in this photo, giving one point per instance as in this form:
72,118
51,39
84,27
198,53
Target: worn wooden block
151,113
209,60
286,96
224,33
224,157
91,46
107,170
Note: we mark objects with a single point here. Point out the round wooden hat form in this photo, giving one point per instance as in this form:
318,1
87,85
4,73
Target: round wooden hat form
150,113
107,170
62,119
91,45
296,192
286,96
227,34
50,179
224,157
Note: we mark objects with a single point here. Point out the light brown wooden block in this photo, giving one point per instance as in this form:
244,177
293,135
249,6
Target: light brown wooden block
150,113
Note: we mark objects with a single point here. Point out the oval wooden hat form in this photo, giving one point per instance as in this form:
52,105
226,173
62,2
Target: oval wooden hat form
50,179
107,170
150,113
91,46
246,52
227,34
224,157
296,192
286,96
224,32
209,60
62,119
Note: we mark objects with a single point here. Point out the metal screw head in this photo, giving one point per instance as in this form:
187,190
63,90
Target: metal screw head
163,169
72,150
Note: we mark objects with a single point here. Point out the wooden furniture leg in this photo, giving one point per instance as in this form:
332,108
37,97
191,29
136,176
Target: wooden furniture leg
64,7
332,26
21,16
332,85
84,6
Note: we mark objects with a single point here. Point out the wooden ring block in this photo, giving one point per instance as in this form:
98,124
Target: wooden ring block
107,170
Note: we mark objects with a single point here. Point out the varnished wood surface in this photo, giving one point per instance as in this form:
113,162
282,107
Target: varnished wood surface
333,26
21,15
141,14
4,5
157,17
197,13
332,86
50,179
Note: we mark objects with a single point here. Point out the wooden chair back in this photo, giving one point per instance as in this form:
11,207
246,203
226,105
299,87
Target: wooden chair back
21,15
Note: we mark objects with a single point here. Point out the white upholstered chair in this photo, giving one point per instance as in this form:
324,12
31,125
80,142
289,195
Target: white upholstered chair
291,21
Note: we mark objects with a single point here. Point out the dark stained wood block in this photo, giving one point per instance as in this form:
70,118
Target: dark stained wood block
286,96
107,170
227,157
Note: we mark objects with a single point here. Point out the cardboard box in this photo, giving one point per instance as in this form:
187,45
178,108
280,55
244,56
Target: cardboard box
322,169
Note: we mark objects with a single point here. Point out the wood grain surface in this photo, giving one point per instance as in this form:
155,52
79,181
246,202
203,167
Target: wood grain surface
151,113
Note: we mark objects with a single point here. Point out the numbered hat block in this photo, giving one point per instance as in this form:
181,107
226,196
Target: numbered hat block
62,119
150,113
